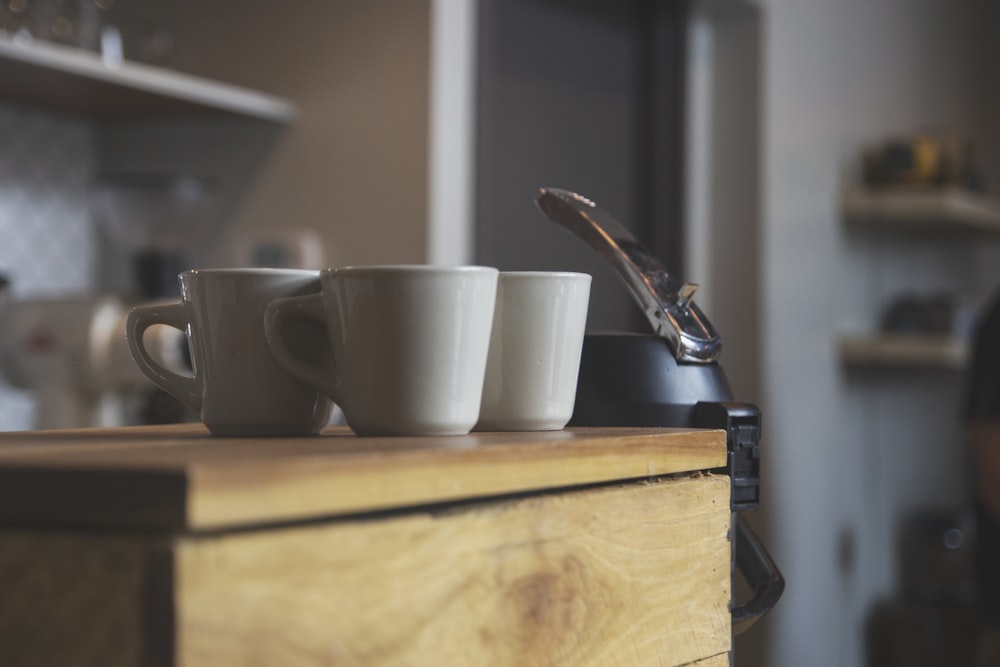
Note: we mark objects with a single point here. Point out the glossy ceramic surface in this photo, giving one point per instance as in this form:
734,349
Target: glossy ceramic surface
534,357
409,345
237,387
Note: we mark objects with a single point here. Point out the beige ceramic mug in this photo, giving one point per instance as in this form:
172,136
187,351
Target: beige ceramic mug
535,347
237,388
409,345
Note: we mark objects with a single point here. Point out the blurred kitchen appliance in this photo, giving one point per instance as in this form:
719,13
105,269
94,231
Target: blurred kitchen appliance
669,378
932,313
154,219
70,352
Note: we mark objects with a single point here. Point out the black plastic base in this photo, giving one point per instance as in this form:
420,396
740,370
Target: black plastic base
631,379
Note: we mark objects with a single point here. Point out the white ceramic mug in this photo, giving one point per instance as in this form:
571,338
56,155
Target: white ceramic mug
237,387
409,345
534,357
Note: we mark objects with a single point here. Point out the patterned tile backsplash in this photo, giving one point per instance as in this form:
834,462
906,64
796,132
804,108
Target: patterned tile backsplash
47,242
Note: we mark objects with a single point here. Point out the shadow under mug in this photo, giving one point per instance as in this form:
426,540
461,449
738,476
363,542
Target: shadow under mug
237,387
409,345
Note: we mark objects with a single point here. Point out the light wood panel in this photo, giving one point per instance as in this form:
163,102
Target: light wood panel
179,477
634,575
625,573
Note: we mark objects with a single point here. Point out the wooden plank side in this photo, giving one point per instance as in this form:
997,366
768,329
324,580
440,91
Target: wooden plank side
185,446
71,601
632,575
179,477
239,495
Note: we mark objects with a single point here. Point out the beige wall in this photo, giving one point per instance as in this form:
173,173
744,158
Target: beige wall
354,164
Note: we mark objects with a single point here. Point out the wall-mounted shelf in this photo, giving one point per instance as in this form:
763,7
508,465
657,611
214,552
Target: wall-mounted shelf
68,79
945,210
902,352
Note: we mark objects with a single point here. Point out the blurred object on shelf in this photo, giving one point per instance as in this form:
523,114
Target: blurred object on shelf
145,29
69,22
14,17
139,31
922,159
935,313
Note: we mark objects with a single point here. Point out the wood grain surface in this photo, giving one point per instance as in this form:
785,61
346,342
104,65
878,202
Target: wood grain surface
71,600
181,478
632,575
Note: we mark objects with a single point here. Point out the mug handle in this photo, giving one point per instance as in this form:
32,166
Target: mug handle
185,389
327,380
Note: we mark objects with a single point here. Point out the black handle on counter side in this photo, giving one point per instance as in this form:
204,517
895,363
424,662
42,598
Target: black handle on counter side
741,422
760,573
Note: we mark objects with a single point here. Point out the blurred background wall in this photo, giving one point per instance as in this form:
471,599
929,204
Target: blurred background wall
854,453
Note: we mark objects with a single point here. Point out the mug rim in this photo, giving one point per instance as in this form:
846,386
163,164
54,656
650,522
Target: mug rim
251,271
408,268
545,274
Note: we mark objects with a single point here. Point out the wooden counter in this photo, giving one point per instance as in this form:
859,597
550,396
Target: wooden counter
167,546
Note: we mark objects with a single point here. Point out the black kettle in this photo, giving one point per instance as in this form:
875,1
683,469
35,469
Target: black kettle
670,377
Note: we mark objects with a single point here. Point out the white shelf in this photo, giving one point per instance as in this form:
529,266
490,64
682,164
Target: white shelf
923,210
69,79
902,351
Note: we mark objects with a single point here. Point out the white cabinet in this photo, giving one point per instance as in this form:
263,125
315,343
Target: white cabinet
68,79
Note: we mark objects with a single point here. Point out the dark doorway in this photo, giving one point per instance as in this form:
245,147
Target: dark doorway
585,95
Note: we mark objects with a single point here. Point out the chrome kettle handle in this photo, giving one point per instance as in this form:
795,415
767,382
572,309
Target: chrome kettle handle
665,300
